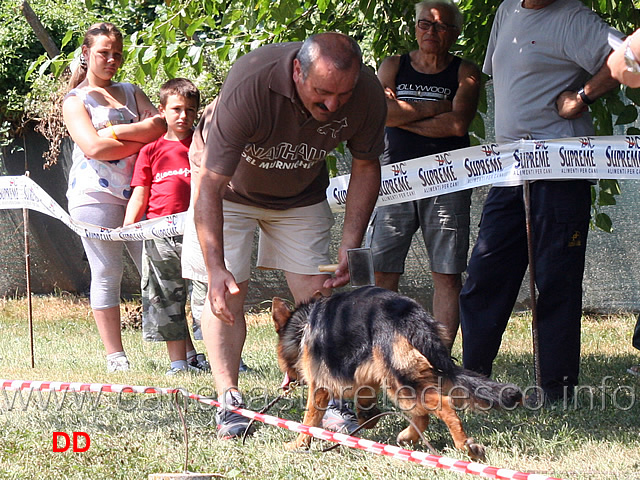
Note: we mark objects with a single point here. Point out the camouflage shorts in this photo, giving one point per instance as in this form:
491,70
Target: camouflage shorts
164,291
198,297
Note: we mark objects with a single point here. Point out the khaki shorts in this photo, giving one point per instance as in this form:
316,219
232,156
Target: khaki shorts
295,240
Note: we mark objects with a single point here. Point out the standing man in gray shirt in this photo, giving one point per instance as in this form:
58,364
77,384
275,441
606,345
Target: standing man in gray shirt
547,59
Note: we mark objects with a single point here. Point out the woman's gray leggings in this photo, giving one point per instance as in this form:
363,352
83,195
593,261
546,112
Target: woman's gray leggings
105,257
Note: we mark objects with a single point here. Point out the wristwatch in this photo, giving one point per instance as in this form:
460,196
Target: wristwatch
586,100
630,59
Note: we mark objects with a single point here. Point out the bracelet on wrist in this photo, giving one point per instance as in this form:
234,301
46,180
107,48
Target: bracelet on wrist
113,133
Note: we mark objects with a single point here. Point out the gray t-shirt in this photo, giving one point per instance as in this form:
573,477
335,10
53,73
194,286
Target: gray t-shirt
533,56
259,133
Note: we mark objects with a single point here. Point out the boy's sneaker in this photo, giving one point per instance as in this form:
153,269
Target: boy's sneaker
339,418
118,364
181,371
243,367
200,362
230,424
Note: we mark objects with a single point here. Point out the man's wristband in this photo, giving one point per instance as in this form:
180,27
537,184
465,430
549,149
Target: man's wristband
630,59
586,100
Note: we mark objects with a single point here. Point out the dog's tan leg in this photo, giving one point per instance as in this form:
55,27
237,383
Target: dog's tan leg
407,402
317,402
366,409
450,417
410,435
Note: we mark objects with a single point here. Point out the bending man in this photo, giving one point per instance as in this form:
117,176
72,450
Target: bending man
262,149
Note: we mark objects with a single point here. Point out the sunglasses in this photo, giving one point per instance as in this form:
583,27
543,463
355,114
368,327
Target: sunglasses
438,26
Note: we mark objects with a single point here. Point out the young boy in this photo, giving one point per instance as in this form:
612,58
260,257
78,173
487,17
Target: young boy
161,186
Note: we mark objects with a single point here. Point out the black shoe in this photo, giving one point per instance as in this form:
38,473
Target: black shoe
547,399
200,362
243,367
231,424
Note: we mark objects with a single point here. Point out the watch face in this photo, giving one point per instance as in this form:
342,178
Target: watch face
630,60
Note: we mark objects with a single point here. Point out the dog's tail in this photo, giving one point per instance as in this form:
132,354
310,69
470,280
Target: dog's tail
473,390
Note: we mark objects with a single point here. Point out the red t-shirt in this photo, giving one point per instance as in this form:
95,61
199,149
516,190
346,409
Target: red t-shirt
163,165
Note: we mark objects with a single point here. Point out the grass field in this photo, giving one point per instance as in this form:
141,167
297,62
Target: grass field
135,435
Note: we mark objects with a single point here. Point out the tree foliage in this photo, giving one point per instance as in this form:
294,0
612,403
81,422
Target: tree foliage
162,37
19,47
196,37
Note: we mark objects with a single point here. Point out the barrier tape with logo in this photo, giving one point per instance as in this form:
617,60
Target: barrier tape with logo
421,458
615,157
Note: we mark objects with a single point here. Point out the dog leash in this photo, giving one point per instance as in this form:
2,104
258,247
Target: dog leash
286,391
384,414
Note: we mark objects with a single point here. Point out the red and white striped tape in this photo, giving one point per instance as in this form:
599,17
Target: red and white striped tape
421,458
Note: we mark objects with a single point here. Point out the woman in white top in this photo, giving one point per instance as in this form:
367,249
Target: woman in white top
109,123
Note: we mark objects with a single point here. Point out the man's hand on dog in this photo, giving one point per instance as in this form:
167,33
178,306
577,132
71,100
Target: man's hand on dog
220,285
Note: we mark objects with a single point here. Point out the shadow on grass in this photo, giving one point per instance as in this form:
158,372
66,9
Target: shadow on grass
605,406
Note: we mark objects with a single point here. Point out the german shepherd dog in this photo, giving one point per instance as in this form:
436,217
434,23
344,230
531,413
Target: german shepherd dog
354,343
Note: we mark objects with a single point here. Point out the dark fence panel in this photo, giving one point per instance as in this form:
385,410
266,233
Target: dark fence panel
57,257
612,276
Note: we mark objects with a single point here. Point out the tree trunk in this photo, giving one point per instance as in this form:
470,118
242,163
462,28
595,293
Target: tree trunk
44,37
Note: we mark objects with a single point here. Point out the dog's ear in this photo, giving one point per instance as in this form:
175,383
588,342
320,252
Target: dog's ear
317,295
280,313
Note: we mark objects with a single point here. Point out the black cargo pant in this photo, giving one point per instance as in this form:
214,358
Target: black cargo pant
560,212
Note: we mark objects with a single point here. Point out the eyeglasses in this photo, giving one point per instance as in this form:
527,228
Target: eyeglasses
438,26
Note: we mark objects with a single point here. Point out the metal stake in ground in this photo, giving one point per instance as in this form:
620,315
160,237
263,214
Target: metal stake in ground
27,261
532,284
186,474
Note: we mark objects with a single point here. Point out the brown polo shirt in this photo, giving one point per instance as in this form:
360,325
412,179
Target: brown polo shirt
258,132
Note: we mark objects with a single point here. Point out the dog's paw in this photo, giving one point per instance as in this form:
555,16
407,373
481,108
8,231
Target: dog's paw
407,437
475,450
303,441
291,446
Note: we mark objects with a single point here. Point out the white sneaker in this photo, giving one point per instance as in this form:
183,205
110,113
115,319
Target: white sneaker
119,364
340,418
180,371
